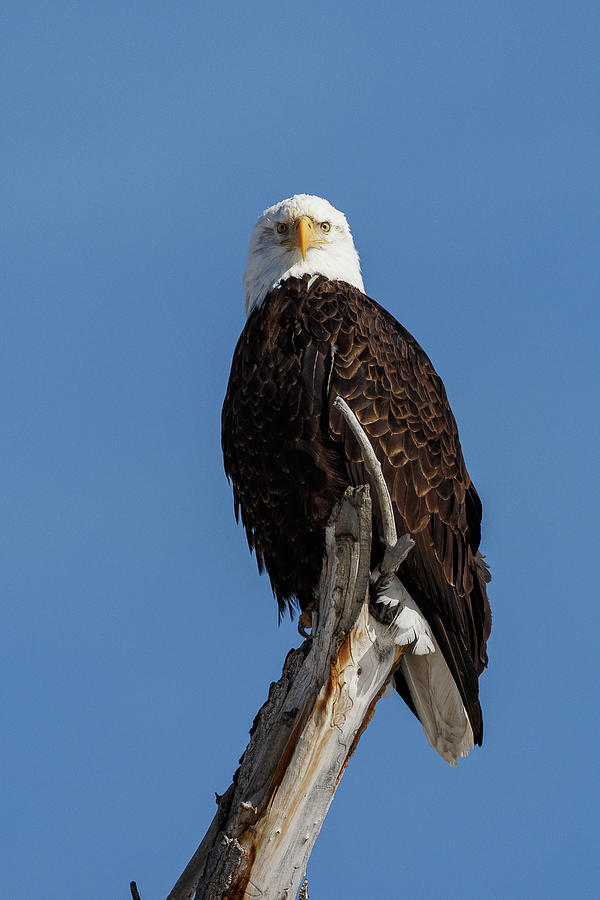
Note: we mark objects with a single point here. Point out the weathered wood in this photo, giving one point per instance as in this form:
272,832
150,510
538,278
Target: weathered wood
396,549
373,466
302,738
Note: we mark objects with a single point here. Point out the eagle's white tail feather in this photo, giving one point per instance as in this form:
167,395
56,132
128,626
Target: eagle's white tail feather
438,704
433,690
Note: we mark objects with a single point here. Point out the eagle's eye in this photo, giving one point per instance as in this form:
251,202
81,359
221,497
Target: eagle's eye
281,228
325,226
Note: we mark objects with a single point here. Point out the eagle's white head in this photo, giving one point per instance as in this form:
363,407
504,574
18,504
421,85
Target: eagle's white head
302,235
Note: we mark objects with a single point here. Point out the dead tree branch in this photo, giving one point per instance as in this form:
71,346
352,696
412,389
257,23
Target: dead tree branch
396,548
260,840
373,466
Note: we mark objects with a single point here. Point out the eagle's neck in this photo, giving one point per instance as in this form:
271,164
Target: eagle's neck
263,274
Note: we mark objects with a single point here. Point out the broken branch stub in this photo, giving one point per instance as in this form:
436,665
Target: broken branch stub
373,467
396,548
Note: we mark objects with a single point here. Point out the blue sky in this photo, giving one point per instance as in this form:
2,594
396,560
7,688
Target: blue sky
140,142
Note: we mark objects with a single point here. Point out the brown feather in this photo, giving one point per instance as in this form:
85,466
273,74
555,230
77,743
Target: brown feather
290,457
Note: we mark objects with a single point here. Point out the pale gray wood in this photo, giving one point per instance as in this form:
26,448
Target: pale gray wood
396,548
373,467
302,738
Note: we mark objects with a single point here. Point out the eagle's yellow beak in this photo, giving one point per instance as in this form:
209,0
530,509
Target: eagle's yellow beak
305,231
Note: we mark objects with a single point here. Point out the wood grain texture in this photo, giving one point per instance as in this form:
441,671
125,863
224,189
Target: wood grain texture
302,738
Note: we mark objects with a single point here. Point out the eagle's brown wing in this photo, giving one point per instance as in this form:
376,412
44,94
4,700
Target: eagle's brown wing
290,455
390,384
286,472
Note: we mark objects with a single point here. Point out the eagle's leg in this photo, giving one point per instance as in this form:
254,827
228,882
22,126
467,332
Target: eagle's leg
385,602
306,620
385,595
391,562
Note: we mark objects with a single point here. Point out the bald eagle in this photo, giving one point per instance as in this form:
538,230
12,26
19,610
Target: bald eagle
311,335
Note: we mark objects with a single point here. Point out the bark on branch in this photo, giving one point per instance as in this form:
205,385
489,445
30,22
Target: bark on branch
267,821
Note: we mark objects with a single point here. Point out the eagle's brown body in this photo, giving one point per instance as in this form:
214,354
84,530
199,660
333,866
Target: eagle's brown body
290,457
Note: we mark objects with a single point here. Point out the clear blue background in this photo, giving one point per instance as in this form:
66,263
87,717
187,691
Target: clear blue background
139,143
